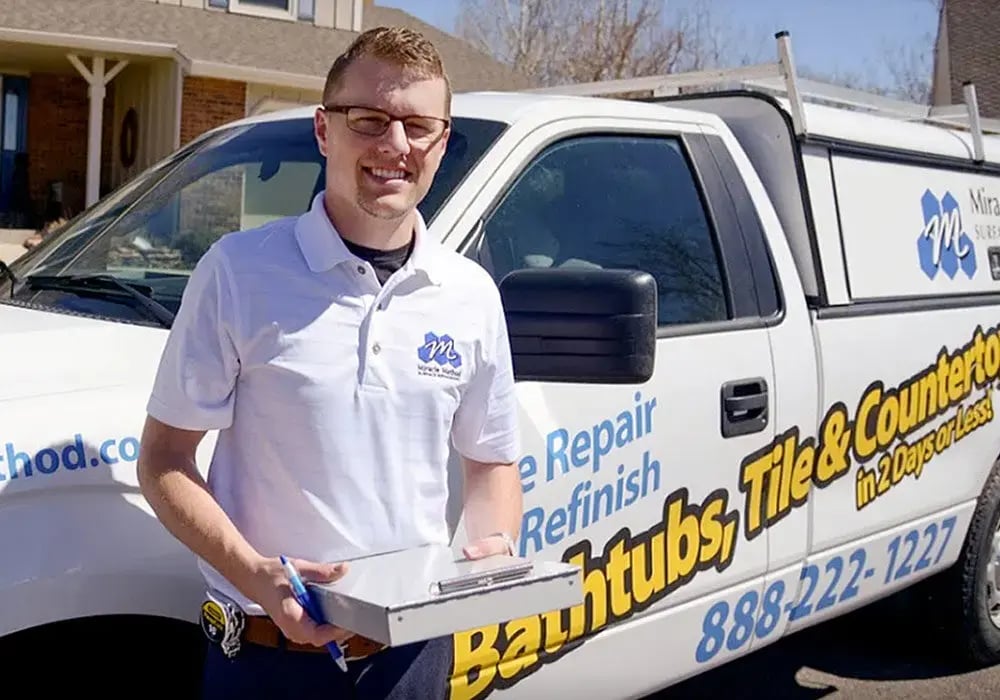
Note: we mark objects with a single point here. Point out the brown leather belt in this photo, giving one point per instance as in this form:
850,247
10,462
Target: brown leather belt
262,630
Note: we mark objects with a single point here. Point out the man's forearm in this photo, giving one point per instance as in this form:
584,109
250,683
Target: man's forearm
181,500
186,508
493,500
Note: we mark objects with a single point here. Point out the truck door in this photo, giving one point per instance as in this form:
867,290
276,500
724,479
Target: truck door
638,484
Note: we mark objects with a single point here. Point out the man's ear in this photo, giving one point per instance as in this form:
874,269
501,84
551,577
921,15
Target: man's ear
443,141
320,129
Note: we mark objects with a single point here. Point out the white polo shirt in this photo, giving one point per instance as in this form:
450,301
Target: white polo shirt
336,398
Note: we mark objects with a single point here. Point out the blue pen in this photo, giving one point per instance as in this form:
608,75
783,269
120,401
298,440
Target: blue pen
306,601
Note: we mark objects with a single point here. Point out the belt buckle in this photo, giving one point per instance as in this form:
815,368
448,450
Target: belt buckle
222,620
358,647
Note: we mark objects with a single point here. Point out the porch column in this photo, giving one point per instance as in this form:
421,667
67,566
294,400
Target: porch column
98,80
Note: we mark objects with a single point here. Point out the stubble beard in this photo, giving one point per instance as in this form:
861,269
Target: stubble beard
384,212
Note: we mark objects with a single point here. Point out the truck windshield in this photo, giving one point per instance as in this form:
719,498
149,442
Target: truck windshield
152,231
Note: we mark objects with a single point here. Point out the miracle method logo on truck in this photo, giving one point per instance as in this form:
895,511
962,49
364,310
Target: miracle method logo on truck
943,245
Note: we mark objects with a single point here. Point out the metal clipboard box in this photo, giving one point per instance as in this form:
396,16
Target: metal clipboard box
417,594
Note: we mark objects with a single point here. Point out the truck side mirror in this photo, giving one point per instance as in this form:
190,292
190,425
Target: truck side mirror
581,326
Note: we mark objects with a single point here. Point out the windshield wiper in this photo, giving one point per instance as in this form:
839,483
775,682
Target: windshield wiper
9,274
101,282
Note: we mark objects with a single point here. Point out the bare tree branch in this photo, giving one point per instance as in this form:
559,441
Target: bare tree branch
567,41
910,70
904,69
570,41
907,70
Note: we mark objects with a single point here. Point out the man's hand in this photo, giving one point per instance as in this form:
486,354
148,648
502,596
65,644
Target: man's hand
272,591
485,547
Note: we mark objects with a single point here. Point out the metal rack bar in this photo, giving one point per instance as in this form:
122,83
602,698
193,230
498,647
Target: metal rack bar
665,81
786,62
975,123
780,79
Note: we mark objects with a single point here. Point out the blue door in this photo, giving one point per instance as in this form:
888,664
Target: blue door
13,139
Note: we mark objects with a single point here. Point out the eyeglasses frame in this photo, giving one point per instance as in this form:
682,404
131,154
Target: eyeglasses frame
344,109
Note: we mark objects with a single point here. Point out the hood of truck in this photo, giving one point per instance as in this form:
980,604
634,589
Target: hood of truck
73,393
73,396
49,353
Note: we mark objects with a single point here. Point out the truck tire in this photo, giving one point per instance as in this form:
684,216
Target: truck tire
976,579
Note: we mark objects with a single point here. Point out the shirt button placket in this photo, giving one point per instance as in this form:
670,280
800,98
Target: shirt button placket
374,371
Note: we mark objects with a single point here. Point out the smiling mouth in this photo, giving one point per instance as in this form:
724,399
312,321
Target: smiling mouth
387,175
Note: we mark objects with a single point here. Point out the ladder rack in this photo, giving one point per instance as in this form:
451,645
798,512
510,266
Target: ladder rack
780,79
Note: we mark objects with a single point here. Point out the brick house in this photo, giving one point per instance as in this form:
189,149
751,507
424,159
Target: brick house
966,50
94,91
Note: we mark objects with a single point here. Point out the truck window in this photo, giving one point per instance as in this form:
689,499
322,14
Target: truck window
613,201
155,229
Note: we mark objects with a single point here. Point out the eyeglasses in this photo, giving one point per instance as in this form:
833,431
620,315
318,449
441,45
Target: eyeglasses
375,122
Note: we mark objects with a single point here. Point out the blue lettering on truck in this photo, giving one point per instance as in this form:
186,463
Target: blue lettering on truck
73,456
756,616
589,451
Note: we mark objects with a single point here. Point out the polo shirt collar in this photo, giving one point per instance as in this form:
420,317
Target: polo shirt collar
323,248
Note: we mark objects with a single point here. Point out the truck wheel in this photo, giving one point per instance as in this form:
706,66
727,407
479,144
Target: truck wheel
977,575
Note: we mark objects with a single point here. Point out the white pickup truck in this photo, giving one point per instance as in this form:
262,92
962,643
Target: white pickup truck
756,341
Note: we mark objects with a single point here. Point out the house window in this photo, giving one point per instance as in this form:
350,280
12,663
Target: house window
278,9
282,5
283,9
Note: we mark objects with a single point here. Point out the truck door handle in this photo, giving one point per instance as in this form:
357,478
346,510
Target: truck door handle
744,406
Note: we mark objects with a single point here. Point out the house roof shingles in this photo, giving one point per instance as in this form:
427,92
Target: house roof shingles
240,40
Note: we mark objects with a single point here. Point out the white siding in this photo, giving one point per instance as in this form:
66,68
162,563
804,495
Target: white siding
151,90
325,13
339,14
343,14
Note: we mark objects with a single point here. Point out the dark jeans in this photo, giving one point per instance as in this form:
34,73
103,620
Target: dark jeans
398,673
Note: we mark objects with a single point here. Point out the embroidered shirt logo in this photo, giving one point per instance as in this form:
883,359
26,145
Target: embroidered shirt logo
438,357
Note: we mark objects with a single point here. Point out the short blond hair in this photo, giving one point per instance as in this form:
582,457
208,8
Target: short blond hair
401,46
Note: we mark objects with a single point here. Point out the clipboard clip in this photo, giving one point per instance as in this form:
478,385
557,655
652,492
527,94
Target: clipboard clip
482,579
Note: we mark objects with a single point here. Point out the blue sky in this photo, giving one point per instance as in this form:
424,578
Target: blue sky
828,36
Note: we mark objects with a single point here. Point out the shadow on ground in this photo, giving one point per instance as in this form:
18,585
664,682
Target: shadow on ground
892,649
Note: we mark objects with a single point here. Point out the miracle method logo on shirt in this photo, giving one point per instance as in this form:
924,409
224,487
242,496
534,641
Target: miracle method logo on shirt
438,357
943,245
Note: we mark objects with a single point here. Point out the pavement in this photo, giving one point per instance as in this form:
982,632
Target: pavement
886,652
11,240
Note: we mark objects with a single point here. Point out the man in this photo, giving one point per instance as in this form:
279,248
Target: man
338,354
